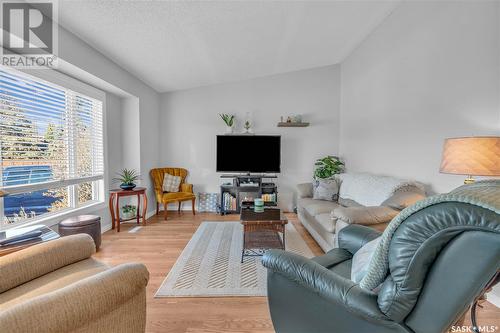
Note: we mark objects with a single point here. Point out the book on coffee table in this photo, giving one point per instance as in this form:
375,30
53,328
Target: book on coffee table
16,239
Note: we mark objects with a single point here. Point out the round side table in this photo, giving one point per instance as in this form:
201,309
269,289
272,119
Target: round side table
114,205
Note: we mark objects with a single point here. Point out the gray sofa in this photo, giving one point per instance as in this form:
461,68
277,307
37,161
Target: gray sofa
361,200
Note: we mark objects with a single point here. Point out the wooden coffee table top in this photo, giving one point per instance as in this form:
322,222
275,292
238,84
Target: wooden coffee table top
268,216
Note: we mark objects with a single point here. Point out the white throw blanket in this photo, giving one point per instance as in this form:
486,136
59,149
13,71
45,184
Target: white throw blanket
371,190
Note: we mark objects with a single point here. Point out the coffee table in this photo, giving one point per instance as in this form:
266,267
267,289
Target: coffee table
47,235
262,231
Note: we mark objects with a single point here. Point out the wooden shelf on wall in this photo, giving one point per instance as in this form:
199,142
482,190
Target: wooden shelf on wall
282,124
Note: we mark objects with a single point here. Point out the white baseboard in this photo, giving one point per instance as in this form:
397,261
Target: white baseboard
105,227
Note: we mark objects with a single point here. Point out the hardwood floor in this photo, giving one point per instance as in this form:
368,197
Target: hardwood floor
160,243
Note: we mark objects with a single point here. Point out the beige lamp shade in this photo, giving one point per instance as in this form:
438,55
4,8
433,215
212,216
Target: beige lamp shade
475,156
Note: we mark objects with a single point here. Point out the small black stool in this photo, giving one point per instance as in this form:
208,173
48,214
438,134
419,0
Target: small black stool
82,224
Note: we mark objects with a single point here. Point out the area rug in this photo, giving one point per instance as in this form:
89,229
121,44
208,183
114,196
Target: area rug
210,264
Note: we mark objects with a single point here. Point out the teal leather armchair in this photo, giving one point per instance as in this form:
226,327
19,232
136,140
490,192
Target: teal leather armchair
440,259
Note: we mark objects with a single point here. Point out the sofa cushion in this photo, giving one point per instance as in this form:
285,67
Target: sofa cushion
362,258
325,189
365,215
50,282
320,207
326,221
171,183
302,202
402,199
348,203
371,190
343,269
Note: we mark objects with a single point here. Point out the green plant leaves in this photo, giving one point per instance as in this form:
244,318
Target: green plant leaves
327,166
227,118
127,176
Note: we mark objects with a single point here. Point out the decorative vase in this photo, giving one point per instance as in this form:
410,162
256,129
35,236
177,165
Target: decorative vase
258,205
126,187
229,129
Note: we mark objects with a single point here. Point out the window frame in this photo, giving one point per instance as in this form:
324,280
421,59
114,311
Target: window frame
101,187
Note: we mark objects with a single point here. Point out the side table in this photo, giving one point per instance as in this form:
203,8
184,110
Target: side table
47,235
114,207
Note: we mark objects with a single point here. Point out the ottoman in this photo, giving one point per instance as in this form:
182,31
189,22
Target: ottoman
82,224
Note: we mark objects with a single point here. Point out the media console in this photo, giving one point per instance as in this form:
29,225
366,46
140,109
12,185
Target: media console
243,189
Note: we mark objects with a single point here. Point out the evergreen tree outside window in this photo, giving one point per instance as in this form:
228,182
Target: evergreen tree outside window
51,148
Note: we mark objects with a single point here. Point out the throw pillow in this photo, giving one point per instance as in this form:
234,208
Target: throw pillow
171,183
362,258
325,189
402,199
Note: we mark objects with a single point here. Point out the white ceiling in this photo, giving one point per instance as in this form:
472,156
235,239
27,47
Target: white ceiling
173,45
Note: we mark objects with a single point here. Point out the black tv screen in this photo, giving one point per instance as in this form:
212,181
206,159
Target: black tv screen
248,153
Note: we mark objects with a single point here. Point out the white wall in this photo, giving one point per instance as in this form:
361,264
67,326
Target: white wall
92,67
190,122
130,136
429,72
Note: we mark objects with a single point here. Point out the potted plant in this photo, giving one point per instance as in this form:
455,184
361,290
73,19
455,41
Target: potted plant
327,166
129,211
126,178
229,121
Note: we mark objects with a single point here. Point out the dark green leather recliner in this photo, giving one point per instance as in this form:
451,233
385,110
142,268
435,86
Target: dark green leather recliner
440,259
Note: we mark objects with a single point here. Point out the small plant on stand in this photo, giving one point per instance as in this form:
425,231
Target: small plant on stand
127,177
229,121
129,211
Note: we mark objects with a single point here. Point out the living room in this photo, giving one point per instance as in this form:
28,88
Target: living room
354,124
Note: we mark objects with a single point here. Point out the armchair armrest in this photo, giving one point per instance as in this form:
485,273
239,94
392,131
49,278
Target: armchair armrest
77,305
365,215
35,261
305,190
185,187
353,237
324,283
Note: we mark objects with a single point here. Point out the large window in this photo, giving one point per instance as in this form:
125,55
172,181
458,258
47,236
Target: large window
51,148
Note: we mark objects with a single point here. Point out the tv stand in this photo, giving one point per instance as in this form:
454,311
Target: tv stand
246,188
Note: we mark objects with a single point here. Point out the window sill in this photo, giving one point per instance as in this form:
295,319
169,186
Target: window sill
54,219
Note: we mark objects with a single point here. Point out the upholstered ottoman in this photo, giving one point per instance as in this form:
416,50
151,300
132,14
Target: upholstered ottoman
82,224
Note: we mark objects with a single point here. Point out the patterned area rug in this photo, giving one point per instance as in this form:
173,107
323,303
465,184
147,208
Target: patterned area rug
210,264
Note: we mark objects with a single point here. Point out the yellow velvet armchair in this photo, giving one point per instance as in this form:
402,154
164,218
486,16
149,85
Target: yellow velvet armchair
185,190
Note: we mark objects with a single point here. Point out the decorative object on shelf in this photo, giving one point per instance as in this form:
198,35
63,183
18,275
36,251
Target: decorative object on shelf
291,124
328,166
471,156
297,118
127,177
248,123
258,205
247,127
129,212
243,190
292,121
229,121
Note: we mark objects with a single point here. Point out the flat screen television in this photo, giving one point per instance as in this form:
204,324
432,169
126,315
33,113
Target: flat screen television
249,153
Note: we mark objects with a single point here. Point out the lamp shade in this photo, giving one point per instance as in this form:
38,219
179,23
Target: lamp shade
475,156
